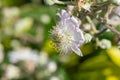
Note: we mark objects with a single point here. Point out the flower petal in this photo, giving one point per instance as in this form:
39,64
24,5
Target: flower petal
64,15
77,50
75,21
78,36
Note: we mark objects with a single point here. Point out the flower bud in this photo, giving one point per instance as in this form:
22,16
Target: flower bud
105,44
88,37
86,27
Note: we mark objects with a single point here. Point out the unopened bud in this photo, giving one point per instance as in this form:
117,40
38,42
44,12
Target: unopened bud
105,44
88,37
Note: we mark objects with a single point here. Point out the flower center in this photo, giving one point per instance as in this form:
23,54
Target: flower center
66,39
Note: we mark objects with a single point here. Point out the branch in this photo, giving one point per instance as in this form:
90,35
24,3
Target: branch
92,24
110,24
108,21
100,32
112,28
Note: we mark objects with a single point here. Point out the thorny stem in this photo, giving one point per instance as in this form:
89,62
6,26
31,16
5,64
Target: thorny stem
110,25
112,28
100,32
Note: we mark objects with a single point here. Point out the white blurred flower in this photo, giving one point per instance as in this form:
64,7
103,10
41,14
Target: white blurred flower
88,37
52,66
105,44
54,78
12,72
30,66
23,54
11,12
23,25
10,16
45,18
86,27
66,35
1,53
43,58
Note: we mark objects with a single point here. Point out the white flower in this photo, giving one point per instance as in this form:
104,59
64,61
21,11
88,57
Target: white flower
11,12
23,54
52,66
43,58
12,72
66,35
23,25
45,18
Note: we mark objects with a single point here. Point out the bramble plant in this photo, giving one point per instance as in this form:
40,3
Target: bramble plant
99,15
34,32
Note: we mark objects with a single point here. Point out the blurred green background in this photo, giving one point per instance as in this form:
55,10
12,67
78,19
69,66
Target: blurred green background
27,53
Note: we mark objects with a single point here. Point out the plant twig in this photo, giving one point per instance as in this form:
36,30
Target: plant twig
112,28
100,32
92,24
94,29
108,23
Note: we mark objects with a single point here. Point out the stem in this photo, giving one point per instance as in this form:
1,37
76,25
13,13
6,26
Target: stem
92,24
94,29
110,24
100,32
112,28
